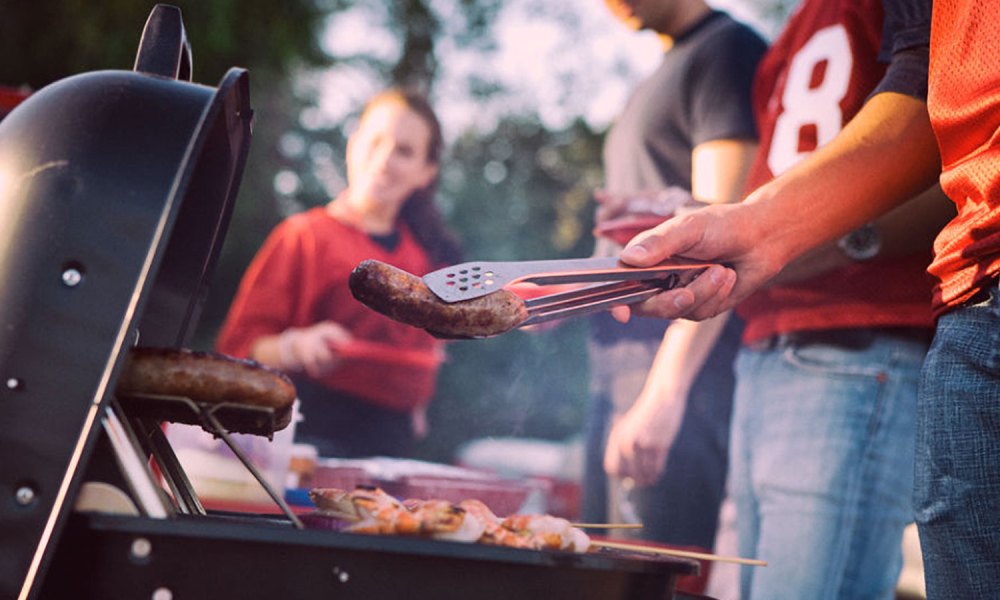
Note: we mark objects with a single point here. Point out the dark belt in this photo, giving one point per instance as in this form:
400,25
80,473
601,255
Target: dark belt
846,339
985,292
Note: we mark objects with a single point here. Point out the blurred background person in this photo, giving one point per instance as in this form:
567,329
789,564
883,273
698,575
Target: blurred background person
687,129
364,380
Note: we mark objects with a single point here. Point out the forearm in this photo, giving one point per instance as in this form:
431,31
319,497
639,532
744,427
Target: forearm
685,347
640,441
719,169
267,351
907,229
313,349
718,173
884,156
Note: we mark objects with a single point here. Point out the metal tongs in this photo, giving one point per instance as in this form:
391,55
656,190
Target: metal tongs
614,283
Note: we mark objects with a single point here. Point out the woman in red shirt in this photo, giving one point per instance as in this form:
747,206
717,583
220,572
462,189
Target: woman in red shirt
364,381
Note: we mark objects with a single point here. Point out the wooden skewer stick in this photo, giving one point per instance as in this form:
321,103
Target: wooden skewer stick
680,553
607,525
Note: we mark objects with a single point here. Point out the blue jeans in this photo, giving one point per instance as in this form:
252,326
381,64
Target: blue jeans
957,484
821,464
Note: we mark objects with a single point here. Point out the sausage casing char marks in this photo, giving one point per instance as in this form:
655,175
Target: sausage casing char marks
207,377
404,297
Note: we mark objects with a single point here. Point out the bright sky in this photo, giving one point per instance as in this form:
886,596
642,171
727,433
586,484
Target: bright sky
560,73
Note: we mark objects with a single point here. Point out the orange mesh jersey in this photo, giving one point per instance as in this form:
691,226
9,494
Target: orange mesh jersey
964,101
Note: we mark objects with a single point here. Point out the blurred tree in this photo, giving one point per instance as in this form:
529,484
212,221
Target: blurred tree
44,41
41,42
776,11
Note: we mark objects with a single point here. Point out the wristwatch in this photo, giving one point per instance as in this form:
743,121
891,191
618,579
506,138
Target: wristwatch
861,244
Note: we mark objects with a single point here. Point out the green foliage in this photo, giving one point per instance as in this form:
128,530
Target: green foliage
522,192
41,42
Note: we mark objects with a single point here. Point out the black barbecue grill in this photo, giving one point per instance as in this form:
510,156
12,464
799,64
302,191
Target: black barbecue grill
116,189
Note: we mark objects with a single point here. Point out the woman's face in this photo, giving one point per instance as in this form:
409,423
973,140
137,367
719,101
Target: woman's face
387,157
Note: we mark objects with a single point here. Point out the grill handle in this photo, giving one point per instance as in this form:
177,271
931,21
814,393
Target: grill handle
164,49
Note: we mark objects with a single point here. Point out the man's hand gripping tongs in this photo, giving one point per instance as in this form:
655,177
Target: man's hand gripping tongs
579,286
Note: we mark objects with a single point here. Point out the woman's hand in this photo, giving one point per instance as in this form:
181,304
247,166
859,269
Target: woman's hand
312,349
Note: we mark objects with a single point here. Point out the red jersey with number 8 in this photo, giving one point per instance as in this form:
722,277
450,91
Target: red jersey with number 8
812,81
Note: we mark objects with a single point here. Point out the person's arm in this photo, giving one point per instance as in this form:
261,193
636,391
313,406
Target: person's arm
884,156
311,349
905,230
269,298
719,169
640,441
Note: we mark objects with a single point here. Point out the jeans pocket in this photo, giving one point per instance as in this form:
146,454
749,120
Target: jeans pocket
834,361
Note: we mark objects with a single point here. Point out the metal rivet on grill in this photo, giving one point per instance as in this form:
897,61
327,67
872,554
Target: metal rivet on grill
162,594
14,383
24,495
342,576
72,277
141,548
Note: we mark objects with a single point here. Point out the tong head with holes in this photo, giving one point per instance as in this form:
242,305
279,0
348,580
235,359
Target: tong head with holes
611,283
475,279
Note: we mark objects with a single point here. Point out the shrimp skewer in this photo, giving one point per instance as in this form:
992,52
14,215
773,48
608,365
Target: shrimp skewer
443,520
358,504
371,510
554,532
495,533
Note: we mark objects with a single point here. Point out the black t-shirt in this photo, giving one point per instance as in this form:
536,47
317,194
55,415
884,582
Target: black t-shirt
700,92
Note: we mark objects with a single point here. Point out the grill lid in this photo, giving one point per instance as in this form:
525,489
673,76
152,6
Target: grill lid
116,189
